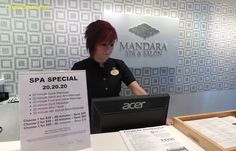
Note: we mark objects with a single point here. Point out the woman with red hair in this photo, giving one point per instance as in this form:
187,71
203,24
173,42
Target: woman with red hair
105,74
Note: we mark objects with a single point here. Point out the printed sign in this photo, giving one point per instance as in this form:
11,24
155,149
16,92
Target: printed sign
158,138
145,41
53,111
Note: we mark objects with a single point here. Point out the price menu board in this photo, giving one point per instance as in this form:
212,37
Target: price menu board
53,111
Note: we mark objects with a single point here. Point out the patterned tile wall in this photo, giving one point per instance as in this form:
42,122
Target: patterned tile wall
52,39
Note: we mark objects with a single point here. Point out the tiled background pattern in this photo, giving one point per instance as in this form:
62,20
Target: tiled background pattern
52,39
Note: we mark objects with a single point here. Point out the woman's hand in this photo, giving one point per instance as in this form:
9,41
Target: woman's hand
169,121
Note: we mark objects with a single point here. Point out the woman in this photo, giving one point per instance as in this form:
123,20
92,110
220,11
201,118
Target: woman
105,74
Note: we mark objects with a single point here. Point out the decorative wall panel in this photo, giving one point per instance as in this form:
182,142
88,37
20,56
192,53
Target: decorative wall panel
51,38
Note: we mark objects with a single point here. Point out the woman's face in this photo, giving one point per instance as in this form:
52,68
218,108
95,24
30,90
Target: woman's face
103,51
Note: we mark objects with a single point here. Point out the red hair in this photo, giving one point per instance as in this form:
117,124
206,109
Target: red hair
99,31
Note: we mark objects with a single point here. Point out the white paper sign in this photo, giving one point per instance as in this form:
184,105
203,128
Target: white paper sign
220,130
53,111
159,138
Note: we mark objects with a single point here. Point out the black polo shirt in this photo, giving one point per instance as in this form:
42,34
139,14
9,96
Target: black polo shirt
104,81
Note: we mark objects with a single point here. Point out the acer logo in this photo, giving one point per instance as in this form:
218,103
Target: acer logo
133,105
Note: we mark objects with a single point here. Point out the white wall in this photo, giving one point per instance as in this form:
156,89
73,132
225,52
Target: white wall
202,102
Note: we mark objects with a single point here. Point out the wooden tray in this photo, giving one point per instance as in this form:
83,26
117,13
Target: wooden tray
201,139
